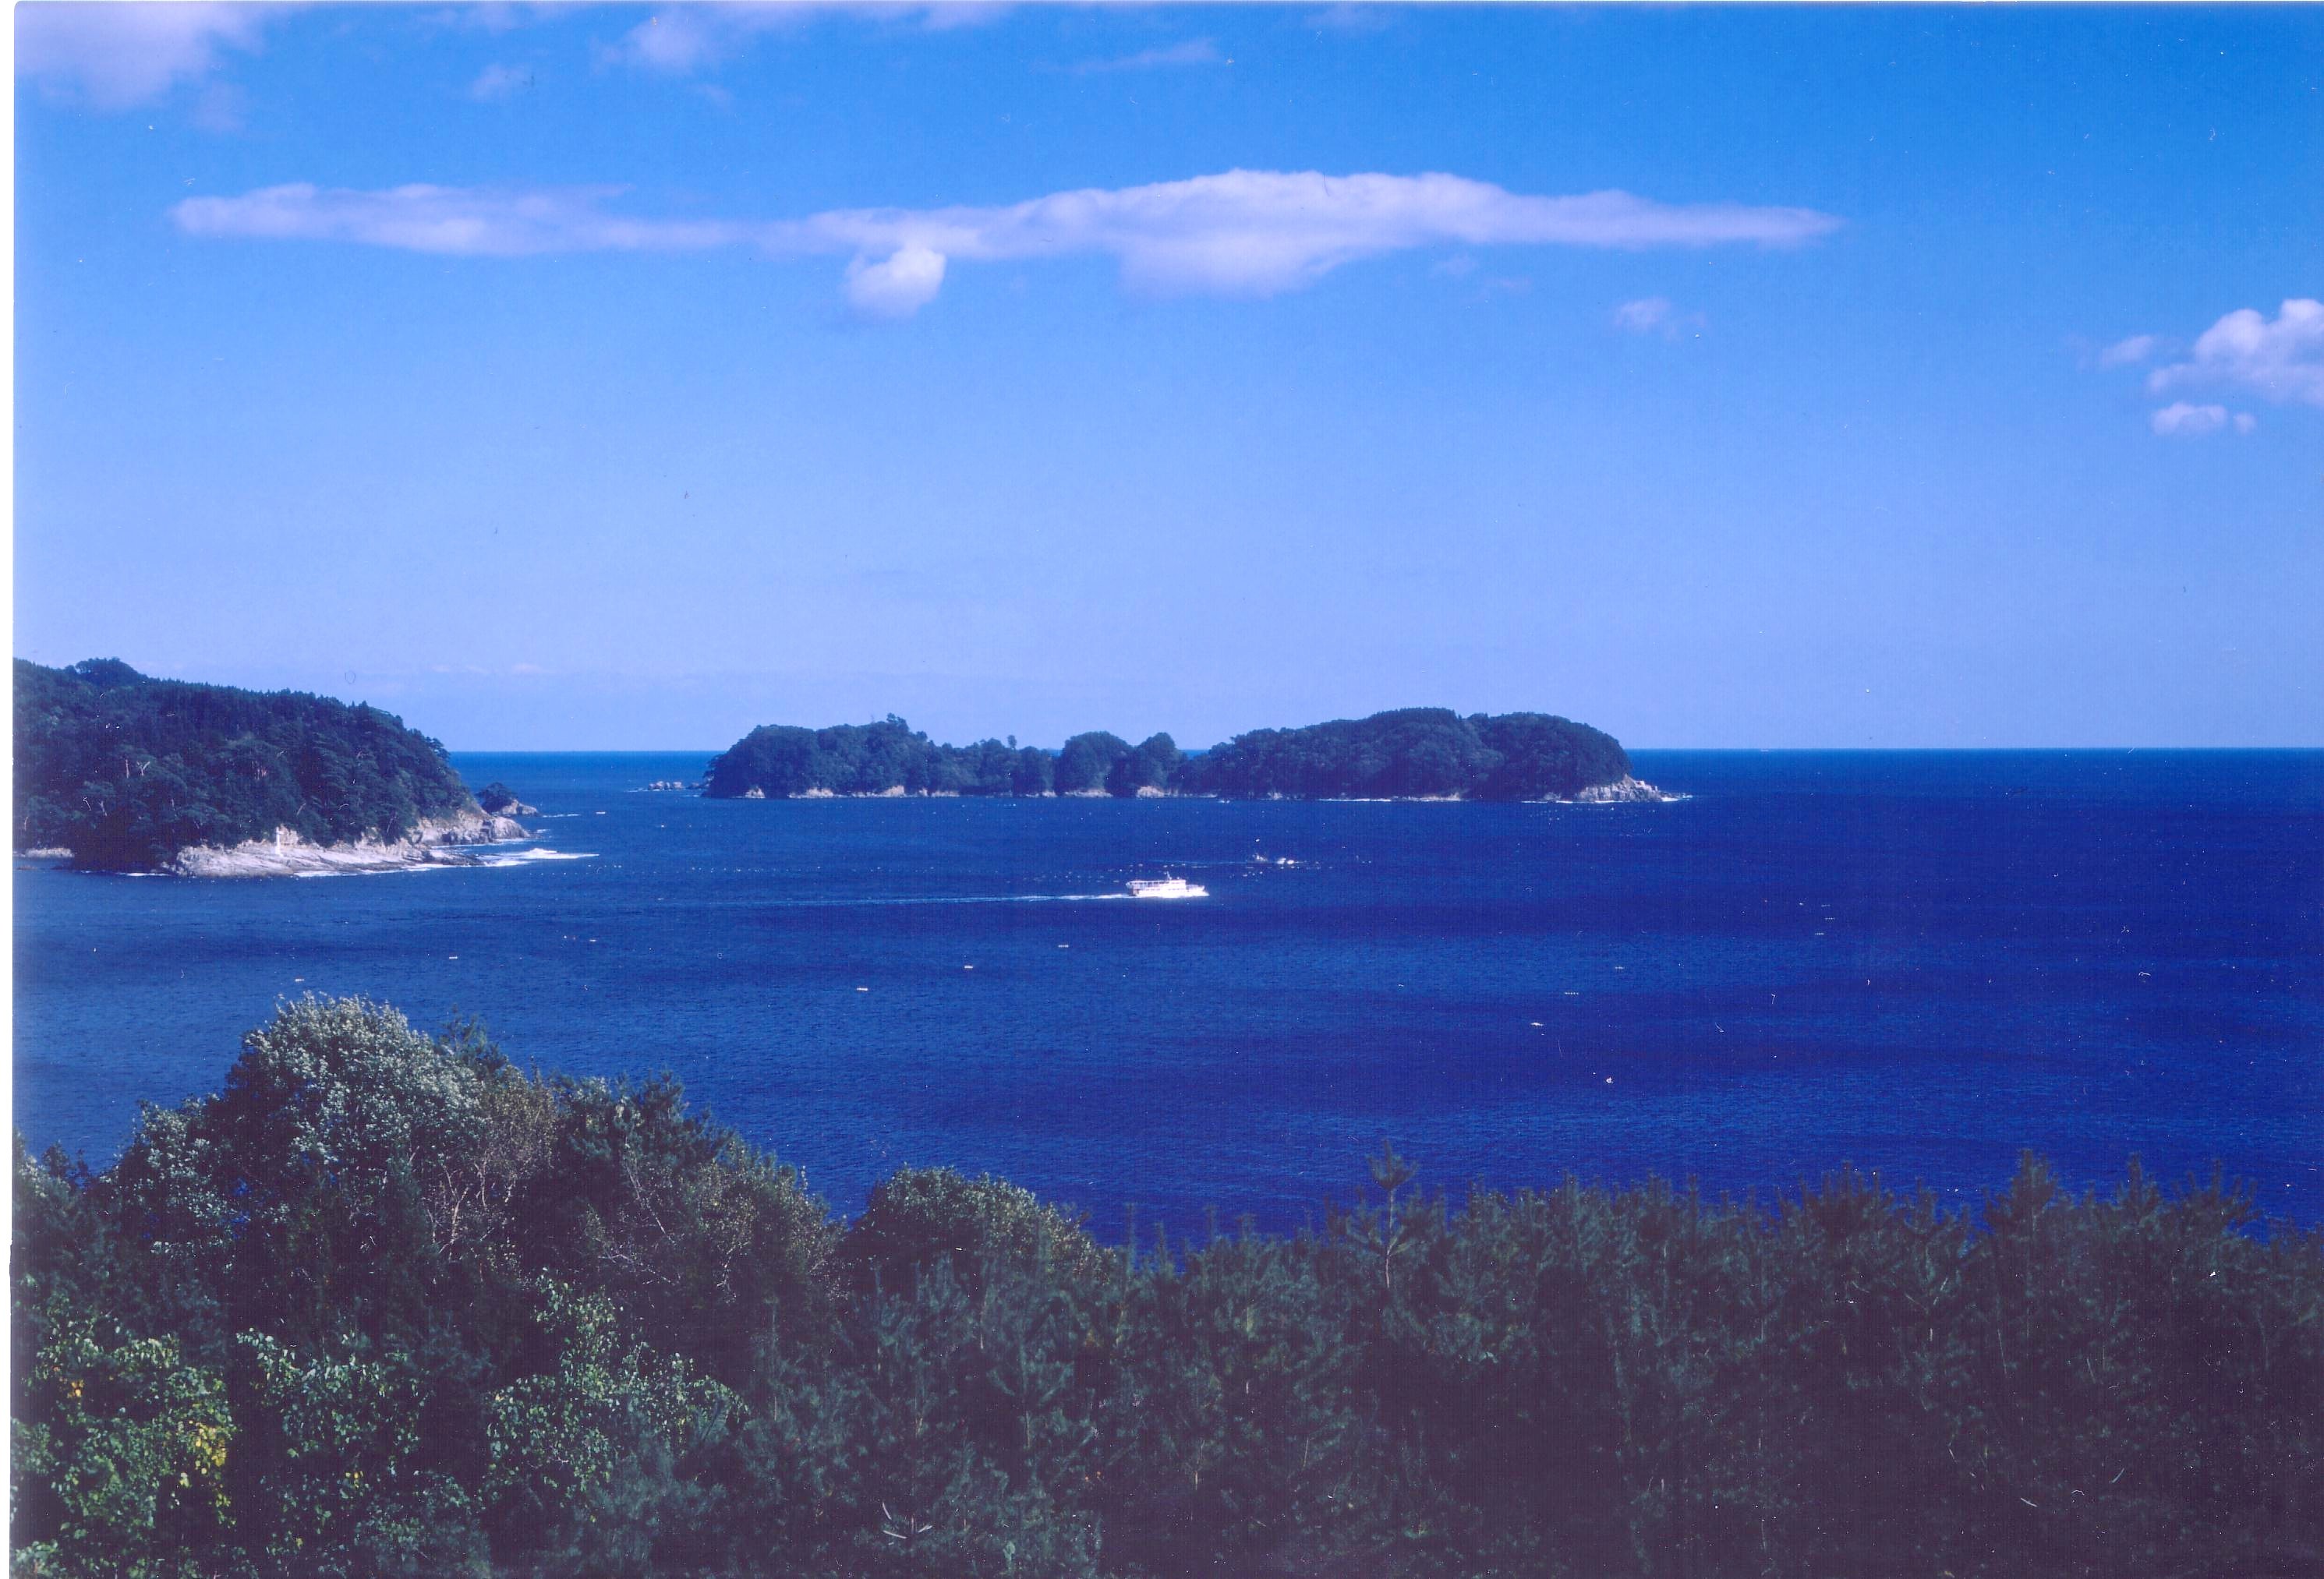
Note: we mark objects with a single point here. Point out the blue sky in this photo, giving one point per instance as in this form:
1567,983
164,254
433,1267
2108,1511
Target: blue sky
603,378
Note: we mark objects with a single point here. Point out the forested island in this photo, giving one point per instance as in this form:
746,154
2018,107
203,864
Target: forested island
1412,753
390,1304
128,773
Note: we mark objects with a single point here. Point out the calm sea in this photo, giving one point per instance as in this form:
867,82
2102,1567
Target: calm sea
1917,962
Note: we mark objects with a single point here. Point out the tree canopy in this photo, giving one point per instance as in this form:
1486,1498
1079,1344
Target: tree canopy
1416,751
388,1304
869,759
126,771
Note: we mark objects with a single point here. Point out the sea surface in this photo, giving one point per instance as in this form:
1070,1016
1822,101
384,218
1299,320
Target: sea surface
1917,962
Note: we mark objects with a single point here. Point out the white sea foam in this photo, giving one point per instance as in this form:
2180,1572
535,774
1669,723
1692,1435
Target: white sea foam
519,858
940,899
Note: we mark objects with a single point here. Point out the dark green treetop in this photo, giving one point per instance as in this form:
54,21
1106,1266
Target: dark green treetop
1411,752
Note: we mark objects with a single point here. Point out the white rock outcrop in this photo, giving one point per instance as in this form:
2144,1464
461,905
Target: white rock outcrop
1623,791
435,841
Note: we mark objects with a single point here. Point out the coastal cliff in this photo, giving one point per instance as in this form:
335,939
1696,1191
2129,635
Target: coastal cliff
439,842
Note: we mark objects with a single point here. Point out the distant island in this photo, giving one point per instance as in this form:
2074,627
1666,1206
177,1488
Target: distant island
1415,753
120,771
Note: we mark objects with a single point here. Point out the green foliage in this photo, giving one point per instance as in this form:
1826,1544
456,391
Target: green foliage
1150,769
558,1436
1087,761
1415,751
703,1241
919,1217
1034,773
301,1193
333,1477
126,771
965,1419
889,758
1419,750
1235,1423
388,1304
1537,756
498,798
119,1448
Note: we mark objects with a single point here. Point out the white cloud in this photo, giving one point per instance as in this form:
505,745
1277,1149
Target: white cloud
1654,315
1645,315
1193,52
1366,18
688,39
499,82
2181,420
898,287
459,221
113,57
219,107
1242,232
2280,360
1258,233
489,16
682,40
947,16
2123,352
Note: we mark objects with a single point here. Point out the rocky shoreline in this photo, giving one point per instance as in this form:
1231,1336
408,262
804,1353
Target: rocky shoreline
1624,791
441,841
1621,791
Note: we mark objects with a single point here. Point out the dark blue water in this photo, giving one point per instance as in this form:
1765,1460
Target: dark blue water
1918,962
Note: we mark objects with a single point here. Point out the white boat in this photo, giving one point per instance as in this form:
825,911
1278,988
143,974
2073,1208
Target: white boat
1167,888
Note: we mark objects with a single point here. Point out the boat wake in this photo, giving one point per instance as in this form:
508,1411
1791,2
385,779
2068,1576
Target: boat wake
869,901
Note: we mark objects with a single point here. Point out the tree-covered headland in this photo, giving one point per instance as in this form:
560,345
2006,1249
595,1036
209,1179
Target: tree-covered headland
1412,752
389,1304
126,771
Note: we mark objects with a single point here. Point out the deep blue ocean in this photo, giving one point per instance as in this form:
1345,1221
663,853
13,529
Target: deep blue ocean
1915,962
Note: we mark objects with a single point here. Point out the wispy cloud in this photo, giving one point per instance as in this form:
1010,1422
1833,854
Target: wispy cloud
492,17
688,39
680,40
1242,232
1193,52
220,107
2181,420
945,16
499,82
1654,315
2125,353
2280,359
115,57
457,221
1366,18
